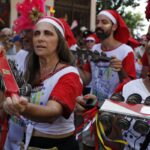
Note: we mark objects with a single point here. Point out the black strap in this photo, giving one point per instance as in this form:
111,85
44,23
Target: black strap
146,142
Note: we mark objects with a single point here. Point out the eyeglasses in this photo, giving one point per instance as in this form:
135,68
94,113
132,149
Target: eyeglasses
5,35
90,41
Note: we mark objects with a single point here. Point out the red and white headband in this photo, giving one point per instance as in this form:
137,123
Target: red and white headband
55,22
90,38
109,15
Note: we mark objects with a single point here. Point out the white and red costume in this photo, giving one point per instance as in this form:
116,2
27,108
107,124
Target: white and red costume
104,79
134,139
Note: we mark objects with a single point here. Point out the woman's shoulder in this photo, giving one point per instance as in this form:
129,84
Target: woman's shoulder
68,69
69,72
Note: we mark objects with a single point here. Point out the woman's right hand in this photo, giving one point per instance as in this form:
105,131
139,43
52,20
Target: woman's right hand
79,109
15,105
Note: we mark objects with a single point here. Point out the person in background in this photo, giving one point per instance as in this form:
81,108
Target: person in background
17,43
109,77
26,39
144,59
90,41
136,46
136,141
142,87
69,36
84,32
6,41
20,52
139,51
49,115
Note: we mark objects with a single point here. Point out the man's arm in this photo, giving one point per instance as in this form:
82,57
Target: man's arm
85,76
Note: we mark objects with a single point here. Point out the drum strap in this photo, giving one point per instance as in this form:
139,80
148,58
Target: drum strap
146,142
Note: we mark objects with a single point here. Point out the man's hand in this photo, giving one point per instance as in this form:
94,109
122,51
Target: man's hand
116,64
81,102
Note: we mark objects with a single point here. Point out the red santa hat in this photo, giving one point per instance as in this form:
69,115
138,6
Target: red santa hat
69,36
122,33
133,42
63,27
55,22
92,37
147,11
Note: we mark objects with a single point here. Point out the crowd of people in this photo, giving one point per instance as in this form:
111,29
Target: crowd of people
61,85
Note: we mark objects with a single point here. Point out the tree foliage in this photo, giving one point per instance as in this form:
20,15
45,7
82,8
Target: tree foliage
116,4
133,20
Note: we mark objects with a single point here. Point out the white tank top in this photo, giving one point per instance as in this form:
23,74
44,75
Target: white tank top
40,95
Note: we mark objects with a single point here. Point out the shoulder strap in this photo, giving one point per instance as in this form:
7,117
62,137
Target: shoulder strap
146,142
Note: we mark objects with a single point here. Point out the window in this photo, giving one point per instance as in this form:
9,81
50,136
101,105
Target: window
75,10
4,13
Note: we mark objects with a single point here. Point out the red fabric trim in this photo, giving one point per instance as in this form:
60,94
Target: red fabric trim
120,86
88,116
144,59
147,12
4,127
69,36
65,92
51,74
129,65
122,33
86,67
133,43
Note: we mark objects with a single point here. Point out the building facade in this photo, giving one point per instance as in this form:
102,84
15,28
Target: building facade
82,11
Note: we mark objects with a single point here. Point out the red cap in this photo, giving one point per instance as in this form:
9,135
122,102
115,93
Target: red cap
55,22
68,33
133,42
122,33
93,37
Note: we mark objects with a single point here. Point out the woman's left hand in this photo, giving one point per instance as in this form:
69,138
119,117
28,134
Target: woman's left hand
116,64
81,102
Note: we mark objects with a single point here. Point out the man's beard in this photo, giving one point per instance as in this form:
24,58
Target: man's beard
102,34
